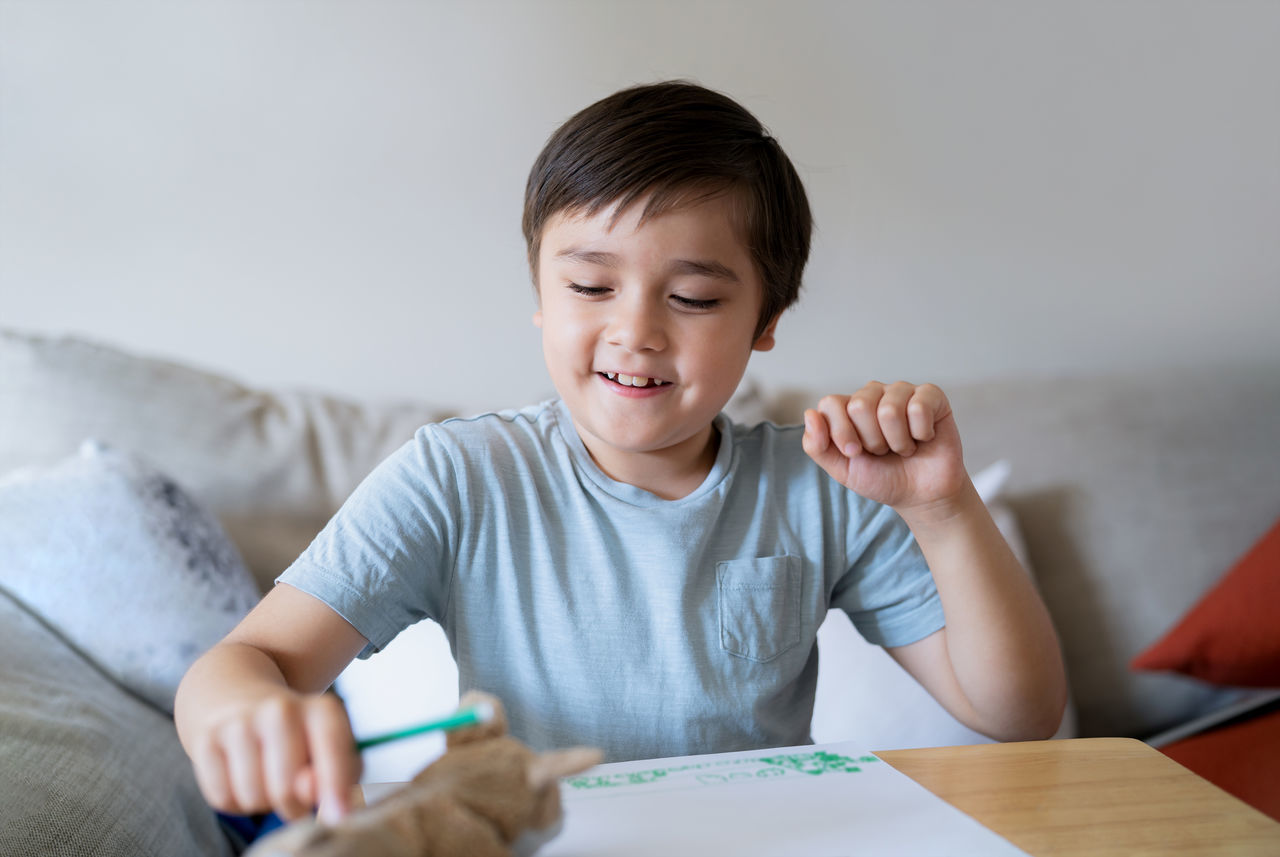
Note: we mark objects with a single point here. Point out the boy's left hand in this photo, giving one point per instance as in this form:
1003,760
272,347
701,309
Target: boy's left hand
896,444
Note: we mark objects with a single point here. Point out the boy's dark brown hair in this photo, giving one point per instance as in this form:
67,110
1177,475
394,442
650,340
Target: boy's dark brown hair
678,143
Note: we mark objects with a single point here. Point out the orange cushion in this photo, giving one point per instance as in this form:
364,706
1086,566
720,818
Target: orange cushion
1232,634
1241,759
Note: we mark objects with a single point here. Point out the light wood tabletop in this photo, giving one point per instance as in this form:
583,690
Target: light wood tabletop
1090,796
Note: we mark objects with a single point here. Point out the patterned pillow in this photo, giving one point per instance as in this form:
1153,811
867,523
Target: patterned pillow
120,561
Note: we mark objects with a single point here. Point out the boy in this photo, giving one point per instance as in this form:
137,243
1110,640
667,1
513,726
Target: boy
622,566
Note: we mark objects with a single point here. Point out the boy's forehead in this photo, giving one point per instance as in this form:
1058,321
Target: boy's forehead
620,219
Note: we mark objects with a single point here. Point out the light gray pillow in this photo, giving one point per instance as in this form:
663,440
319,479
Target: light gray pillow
87,769
117,558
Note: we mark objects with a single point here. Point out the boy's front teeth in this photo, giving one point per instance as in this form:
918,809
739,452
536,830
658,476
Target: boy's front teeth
631,380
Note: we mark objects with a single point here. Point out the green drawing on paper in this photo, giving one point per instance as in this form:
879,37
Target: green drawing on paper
820,762
721,771
633,778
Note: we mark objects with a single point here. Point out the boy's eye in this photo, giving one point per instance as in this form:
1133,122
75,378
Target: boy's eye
695,303
588,291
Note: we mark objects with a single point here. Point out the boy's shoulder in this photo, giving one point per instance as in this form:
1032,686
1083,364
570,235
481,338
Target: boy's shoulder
526,430
542,416
758,437
772,450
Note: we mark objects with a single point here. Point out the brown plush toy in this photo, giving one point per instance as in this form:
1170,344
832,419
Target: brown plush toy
487,795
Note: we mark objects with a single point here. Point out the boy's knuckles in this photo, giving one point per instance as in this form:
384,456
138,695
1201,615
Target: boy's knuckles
832,404
931,390
234,735
326,719
859,405
276,715
890,414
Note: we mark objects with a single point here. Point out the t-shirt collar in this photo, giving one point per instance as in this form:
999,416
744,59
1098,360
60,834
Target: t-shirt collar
628,493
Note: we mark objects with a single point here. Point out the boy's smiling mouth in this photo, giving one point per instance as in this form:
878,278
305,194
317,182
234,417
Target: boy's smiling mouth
633,380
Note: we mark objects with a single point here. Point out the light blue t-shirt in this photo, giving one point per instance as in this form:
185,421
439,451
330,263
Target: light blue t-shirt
604,615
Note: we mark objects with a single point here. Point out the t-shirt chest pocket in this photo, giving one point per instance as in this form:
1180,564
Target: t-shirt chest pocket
759,606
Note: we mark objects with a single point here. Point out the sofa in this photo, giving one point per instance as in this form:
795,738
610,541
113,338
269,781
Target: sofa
146,504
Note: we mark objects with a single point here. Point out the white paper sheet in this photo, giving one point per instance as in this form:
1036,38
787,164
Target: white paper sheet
806,801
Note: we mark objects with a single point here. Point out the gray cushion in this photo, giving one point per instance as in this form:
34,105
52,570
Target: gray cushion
88,769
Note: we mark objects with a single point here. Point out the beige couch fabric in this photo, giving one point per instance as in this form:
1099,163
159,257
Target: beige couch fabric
273,466
88,770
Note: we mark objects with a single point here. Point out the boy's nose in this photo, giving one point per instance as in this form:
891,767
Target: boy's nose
637,327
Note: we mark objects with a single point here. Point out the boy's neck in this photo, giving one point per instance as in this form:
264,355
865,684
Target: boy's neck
670,473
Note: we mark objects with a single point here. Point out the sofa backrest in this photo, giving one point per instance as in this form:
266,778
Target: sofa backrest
1135,491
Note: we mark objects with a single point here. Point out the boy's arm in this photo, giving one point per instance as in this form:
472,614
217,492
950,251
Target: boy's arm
253,716
996,666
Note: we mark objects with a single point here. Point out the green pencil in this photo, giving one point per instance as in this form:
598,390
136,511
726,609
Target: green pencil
469,716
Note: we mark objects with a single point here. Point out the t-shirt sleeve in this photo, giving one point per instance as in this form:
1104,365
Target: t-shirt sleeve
383,562
888,590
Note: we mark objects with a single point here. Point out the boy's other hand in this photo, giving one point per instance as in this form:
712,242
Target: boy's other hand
896,444
288,753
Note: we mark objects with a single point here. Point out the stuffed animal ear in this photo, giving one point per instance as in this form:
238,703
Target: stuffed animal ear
549,767
544,772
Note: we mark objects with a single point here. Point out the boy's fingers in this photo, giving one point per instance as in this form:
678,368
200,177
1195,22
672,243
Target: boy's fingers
211,776
862,414
284,754
819,446
927,406
816,437
243,755
844,436
333,756
891,416
304,787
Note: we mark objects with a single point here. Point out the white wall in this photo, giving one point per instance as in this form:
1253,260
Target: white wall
328,193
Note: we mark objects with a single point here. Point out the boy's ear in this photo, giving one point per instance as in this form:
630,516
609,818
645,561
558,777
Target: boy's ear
765,341
537,318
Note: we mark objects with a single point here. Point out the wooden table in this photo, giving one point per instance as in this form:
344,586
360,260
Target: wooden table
1090,796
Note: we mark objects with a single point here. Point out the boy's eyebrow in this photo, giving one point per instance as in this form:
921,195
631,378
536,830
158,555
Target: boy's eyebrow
690,267
591,257
704,268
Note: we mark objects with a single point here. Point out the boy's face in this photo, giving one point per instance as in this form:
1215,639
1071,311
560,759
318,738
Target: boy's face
647,328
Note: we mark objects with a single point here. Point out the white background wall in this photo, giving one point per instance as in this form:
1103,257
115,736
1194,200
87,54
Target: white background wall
328,194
